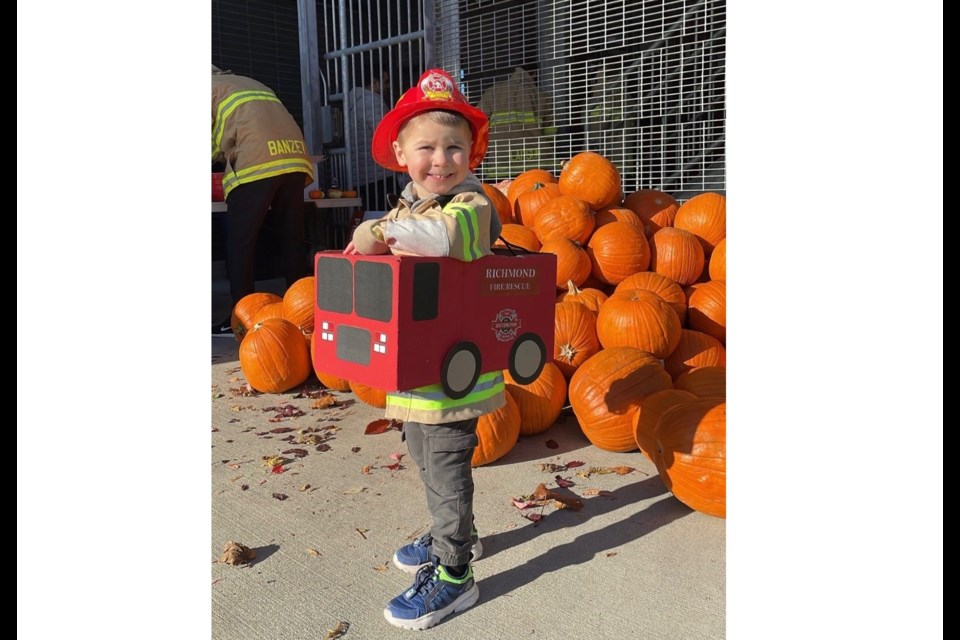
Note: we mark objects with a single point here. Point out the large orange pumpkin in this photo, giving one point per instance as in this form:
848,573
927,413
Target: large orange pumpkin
670,291
676,254
273,356
618,214
369,395
575,336
573,263
641,319
717,267
332,382
655,209
704,382
497,433
528,204
589,297
524,181
564,217
606,391
592,178
695,349
540,401
705,216
708,309
272,310
692,454
244,312
520,236
298,303
647,416
500,203
618,250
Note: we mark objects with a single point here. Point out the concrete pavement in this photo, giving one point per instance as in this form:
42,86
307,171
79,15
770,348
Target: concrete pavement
636,563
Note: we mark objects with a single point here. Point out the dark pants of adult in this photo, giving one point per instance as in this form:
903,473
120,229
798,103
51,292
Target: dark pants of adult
247,207
374,194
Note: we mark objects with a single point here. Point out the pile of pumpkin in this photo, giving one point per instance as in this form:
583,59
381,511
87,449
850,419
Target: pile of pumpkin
640,321
640,325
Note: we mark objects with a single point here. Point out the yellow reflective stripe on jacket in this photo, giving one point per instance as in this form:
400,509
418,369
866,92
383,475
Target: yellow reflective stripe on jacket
266,170
432,397
466,217
229,104
502,118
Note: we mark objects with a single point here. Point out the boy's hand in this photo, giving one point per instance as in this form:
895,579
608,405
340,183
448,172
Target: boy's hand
350,250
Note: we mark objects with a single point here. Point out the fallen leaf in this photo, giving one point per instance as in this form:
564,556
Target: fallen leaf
367,469
623,470
611,554
232,420
324,402
277,468
323,447
394,467
563,482
272,461
281,430
382,567
573,463
280,496
312,551
552,444
338,631
377,427
304,487
300,453
533,517
353,490
355,449
235,553
542,493
396,456
549,467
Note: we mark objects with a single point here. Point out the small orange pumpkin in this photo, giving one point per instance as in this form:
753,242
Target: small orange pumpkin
518,235
692,454
500,203
705,216
618,250
540,401
573,263
651,409
565,217
369,395
592,178
246,309
497,433
273,356
574,336
299,302
695,349
670,291
677,254
655,209
524,181
708,309
606,391
641,319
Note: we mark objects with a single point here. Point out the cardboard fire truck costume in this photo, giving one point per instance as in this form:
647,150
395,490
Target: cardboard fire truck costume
401,322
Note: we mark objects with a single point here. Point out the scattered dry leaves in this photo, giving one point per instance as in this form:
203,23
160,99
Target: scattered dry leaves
313,551
324,402
280,496
235,553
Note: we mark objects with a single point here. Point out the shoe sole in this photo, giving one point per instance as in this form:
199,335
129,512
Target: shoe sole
466,600
476,552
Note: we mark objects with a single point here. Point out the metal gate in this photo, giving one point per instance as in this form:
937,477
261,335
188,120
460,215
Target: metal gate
639,81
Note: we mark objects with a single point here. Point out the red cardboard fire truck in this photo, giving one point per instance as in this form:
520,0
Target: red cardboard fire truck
401,322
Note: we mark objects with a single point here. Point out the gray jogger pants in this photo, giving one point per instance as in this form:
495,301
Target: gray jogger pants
442,453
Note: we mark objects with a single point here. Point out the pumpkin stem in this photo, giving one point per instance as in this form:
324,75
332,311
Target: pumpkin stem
572,288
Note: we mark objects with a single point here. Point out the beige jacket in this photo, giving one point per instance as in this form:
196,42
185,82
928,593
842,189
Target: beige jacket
460,225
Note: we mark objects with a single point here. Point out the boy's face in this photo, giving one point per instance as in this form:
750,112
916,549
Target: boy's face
437,156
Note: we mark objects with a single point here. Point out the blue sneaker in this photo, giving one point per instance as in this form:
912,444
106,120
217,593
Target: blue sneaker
419,553
435,594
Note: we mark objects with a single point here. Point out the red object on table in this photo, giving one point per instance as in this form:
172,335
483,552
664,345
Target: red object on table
218,187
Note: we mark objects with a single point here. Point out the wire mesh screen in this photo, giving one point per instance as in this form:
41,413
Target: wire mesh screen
640,82
373,51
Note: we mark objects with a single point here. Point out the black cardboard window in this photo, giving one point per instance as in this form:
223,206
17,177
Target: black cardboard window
373,289
334,285
426,290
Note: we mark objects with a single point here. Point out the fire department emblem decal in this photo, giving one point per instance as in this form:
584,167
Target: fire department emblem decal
505,325
437,87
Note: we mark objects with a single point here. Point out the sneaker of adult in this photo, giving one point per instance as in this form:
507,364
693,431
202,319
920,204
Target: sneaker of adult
223,329
411,557
435,594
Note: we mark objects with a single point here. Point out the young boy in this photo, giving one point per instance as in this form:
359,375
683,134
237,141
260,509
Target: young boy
437,137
